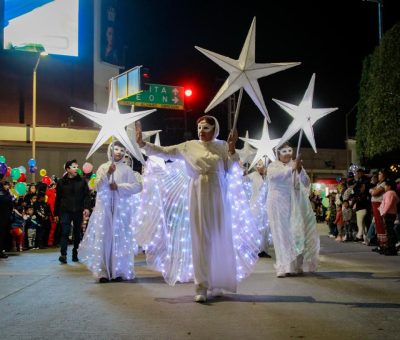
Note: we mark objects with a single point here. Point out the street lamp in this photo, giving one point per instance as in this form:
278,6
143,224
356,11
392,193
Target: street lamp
380,5
41,54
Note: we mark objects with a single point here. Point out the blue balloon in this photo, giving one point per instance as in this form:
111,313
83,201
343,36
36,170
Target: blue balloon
3,168
31,162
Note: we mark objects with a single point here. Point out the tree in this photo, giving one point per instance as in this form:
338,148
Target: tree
378,114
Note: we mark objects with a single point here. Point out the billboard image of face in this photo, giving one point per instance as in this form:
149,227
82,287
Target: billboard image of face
37,25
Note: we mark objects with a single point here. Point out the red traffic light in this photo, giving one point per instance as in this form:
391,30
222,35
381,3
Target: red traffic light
188,92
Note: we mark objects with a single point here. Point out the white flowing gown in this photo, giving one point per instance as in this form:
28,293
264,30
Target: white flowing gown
292,221
108,246
258,201
207,164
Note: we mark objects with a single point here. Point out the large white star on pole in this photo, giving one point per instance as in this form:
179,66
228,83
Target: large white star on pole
113,123
247,153
244,72
265,146
304,116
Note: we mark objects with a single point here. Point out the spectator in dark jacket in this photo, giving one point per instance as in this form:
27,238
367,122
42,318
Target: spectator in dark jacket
6,208
72,202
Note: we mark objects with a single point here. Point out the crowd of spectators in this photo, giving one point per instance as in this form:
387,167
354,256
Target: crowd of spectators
365,208
27,221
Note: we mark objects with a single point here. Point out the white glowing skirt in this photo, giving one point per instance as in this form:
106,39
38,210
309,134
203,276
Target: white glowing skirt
109,245
164,227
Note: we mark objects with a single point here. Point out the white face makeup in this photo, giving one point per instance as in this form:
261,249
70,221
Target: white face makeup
205,131
203,126
286,151
118,152
260,164
73,169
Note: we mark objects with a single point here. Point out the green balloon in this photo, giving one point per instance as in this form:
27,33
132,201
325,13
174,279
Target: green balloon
20,188
325,202
15,173
2,159
93,176
79,171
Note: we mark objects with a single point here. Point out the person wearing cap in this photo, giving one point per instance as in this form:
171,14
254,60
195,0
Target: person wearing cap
292,220
72,203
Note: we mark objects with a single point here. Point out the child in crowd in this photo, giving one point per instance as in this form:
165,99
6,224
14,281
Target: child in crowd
388,211
347,215
331,216
17,228
30,226
42,213
339,223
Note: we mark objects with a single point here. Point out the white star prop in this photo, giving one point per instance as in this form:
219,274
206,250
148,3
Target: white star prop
158,160
113,124
304,116
247,153
131,131
265,146
147,134
244,72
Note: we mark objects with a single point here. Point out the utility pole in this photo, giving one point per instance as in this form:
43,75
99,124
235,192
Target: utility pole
380,22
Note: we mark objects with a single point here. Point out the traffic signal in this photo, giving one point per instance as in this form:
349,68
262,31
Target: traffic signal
144,78
188,92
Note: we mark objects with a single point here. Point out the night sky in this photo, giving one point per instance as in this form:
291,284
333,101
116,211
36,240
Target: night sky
330,38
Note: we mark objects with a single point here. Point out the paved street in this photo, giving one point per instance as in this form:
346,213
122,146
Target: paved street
354,295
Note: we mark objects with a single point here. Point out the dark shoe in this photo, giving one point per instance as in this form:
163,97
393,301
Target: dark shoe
63,259
264,254
103,280
3,255
117,279
358,239
75,258
376,249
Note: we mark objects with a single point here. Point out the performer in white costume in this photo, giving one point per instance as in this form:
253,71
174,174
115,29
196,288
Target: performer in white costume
258,199
292,221
207,162
109,244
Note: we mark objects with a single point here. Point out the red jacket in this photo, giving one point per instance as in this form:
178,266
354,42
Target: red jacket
339,217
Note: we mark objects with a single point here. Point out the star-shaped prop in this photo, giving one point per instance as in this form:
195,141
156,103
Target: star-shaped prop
113,123
158,160
247,153
265,146
304,116
131,131
147,134
244,72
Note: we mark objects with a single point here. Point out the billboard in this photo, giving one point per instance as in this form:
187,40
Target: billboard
34,25
111,44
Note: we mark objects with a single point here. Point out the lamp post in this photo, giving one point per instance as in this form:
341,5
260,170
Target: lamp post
41,54
380,5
